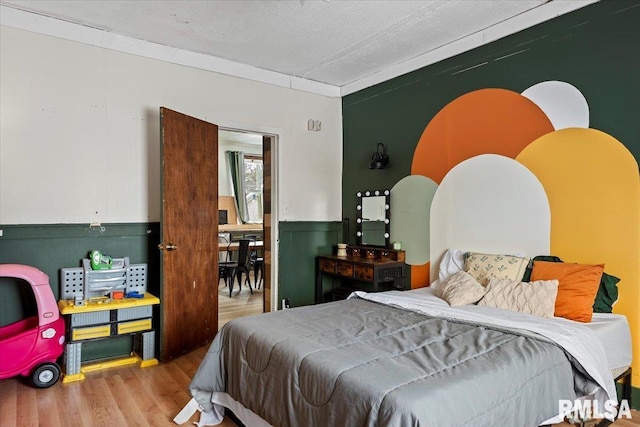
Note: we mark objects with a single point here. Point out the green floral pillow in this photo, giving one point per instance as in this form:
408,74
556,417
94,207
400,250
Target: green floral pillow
483,267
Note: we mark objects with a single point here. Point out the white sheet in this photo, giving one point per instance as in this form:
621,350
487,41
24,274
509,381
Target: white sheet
612,331
614,334
246,416
575,338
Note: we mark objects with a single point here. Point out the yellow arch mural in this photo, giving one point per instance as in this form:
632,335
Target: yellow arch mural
593,187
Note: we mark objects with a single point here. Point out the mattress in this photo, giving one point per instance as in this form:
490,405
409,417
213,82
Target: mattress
614,334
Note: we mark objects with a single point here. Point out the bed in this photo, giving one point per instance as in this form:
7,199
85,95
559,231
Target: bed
415,357
405,358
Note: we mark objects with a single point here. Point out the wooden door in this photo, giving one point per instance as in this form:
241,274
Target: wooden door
188,234
266,220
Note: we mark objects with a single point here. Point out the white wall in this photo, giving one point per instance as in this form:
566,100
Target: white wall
79,132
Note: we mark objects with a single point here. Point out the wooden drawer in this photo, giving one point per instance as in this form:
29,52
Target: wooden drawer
364,272
135,326
345,269
328,266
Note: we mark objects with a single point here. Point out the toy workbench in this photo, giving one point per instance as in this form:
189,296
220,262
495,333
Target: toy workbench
102,304
104,319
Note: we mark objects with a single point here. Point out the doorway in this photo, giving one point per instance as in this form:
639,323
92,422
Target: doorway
189,225
244,178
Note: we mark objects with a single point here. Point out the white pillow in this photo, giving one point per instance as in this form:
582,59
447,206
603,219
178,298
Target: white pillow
460,289
452,262
537,298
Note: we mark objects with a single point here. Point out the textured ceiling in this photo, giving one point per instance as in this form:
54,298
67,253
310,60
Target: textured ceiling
333,42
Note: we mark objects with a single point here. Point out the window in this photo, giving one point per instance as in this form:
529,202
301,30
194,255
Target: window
253,186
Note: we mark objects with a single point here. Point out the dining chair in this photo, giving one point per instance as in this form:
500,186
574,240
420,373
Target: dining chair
241,266
226,266
256,263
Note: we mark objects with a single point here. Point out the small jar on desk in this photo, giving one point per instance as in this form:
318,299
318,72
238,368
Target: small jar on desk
342,250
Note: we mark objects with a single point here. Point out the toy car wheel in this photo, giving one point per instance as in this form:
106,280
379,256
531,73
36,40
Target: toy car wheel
45,375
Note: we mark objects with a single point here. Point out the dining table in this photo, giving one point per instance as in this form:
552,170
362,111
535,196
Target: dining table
234,246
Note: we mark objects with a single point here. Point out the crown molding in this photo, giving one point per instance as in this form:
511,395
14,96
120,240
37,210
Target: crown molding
545,12
35,23
32,22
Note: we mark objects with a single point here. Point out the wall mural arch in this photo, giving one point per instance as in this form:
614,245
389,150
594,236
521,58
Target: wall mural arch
489,203
590,179
497,121
593,186
562,102
411,203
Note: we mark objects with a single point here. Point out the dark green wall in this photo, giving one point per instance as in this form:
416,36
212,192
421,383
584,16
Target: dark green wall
596,49
300,243
52,247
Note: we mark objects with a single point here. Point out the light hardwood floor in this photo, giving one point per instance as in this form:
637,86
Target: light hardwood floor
241,303
127,396
623,422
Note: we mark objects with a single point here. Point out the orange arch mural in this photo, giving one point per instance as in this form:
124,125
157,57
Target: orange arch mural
496,121
420,275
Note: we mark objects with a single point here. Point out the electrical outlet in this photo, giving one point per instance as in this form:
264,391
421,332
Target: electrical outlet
315,125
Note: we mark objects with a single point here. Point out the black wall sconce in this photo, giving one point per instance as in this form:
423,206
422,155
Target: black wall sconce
379,160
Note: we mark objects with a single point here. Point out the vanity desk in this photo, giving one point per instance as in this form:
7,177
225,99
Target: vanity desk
370,269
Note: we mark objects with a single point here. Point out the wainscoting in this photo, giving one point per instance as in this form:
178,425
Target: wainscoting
51,247
300,243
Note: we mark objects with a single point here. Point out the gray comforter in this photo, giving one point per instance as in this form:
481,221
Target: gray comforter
360,363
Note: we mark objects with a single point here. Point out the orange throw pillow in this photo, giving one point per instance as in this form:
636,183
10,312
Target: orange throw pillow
577,289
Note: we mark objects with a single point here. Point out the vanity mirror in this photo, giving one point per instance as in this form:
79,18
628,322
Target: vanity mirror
373,217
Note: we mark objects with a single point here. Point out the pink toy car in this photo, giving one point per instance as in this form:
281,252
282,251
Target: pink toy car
31,346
